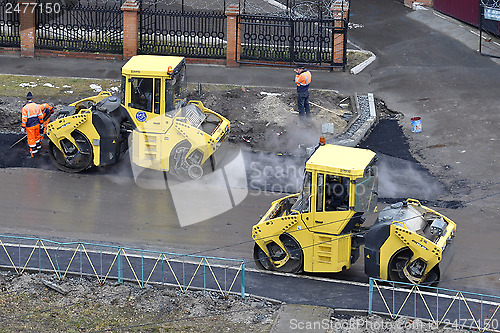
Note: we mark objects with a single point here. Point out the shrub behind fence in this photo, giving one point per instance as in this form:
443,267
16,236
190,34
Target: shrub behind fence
82,28
312,35
188,34
9,24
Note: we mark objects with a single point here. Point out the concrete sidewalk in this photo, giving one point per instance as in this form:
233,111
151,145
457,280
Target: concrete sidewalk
302,319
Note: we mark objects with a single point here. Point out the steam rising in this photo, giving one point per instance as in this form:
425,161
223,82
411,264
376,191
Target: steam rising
400,178
274,173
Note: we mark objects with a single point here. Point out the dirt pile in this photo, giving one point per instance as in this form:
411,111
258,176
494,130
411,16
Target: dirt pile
10,113
28,305
82,305
261,119
267,120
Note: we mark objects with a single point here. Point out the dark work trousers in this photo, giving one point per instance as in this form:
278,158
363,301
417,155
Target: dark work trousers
303,103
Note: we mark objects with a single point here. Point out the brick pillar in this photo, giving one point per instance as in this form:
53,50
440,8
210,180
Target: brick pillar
27,27
340,10
233,47
130,10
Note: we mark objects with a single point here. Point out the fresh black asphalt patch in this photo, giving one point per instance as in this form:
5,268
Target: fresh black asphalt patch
400,174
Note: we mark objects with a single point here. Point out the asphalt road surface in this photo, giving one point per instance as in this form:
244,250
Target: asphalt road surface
426,65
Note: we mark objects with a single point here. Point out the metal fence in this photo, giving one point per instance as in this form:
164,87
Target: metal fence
9,24
489,28
106,262
84,27
288,8
292,40
297,33
442,307
197,34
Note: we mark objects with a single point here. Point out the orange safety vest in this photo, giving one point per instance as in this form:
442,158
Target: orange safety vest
303,80
32,115
47,110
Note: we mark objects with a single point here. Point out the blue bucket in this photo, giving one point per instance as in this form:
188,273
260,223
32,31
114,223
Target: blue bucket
416,124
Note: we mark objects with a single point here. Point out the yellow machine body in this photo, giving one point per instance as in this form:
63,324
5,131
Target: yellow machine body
154,142
409,242
323,233
63,128
309,231
167,132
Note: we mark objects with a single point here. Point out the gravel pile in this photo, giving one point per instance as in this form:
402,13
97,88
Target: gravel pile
82,305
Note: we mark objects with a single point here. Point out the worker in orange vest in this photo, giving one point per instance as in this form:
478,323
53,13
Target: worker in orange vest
302,80
47,112
32,119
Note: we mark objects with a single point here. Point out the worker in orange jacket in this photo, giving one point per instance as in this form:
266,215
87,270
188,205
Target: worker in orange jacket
302,80
47,112
32,119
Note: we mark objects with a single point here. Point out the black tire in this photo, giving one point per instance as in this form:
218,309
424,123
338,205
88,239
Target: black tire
432,279
75,160
261,259
295,263
396,264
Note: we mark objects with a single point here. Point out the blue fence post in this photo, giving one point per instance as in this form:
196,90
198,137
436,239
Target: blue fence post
120,273
162,269
183,272
414,303
437,305
19,255
100,255
81,260
204,275
481,319
243,280
142,269
459,314
39,256
370,297
19,250
225,276
393,299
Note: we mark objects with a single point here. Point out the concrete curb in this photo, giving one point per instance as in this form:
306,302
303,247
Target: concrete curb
362,131
357,69
290,315
386,315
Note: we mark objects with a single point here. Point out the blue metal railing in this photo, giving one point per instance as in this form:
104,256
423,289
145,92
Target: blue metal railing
106,262
443,307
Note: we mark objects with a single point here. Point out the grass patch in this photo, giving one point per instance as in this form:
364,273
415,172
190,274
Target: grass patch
53,87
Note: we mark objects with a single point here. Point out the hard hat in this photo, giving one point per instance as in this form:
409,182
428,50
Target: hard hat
29,96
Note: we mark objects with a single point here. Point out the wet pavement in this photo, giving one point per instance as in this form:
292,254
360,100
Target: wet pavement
426,65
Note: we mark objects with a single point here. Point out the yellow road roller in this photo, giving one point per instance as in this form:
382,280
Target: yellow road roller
152,116
321,228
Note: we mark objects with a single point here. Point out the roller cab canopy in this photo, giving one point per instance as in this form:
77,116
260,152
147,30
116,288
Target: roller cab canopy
340,160
151,65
